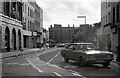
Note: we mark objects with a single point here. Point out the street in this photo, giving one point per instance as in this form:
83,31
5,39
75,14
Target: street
48,63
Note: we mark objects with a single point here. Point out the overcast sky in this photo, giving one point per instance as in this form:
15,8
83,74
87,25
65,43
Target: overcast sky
66,11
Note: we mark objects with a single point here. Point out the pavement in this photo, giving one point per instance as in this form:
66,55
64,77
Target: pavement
17,53
115,65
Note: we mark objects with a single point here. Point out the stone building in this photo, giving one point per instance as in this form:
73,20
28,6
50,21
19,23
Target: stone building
105,24
32,24
38,26
10,25
110,22
115,25
28,27
17,24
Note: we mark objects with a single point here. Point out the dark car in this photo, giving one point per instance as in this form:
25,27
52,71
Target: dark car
86,53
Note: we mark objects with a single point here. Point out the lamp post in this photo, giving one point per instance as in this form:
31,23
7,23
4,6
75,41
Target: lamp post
82,17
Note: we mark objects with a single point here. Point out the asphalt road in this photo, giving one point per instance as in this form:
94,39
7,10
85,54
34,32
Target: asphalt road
91,71
16,67
49,63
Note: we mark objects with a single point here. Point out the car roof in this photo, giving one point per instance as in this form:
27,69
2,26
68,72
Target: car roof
80,43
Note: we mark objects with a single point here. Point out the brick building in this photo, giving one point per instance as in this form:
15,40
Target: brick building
61,34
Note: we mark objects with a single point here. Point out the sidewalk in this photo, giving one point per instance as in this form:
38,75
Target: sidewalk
17,53
115,65
115,57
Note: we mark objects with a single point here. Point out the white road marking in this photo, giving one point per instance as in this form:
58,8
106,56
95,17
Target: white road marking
25,64
50,64
73,71
53,58
34,66
56,55
14,63
55,66
76,74
47,52
50,60
57,74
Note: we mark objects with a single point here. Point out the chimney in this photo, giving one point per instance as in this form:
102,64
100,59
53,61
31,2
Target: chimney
68,25
73,25
50,26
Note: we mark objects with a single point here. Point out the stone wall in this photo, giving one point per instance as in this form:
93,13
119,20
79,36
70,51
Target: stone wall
10,23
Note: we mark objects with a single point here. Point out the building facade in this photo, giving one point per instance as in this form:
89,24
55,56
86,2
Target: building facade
38,26
61,34
17,25
28,19
41,24
105,24
115,25
10,25
110,22
32,28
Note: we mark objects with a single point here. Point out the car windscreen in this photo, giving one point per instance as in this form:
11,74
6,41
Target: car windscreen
84,47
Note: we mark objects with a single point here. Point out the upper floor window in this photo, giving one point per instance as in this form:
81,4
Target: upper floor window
114,15
117,13
7,8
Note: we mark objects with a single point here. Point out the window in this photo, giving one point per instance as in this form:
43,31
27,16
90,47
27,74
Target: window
28,11
25,8
6,8
106,19
113,15
28,25
117,13
108,4
109,18
70,47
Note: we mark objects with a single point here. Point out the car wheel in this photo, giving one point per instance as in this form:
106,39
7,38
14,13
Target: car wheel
66,59
106,64
82,61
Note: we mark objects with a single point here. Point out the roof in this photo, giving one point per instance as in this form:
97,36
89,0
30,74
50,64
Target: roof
80,43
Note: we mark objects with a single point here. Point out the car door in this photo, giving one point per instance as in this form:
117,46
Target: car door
70,51
75,52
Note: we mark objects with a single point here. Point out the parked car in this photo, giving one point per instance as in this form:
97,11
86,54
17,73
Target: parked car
86,53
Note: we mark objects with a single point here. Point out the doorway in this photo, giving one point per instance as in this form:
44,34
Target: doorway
7,39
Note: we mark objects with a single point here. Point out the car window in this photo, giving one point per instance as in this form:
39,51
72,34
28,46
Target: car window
72,47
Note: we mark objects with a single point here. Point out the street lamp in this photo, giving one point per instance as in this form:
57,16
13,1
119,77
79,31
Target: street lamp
82,17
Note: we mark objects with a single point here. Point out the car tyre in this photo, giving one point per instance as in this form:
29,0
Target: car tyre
82,61
106,64
66,59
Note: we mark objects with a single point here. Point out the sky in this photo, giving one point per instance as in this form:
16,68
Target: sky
65,12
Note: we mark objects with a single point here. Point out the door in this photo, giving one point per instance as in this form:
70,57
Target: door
70,52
